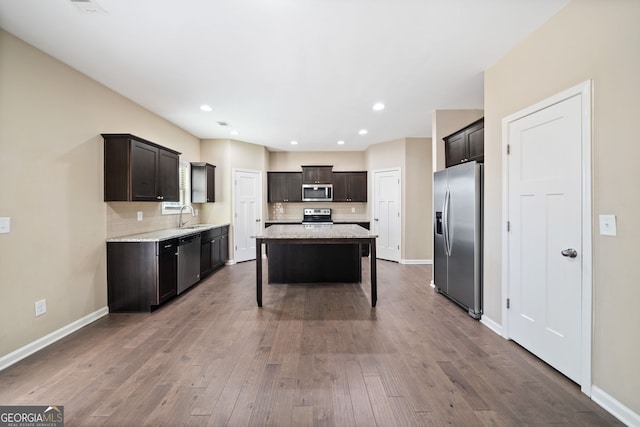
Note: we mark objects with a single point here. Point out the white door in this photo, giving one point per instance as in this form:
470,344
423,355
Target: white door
247,213
386,213
545,241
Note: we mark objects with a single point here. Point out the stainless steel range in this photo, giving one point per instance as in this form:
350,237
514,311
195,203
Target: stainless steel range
317,216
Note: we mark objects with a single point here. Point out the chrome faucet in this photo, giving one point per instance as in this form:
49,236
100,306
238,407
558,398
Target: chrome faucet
180,223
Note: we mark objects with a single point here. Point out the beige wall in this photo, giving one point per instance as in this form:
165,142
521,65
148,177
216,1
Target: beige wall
413,157
418,196
598,40
290,161
51,164
228,155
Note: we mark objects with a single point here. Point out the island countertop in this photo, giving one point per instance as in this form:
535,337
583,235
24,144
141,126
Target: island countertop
315,231
315,236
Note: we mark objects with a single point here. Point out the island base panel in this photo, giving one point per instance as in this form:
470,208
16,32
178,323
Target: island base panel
314,263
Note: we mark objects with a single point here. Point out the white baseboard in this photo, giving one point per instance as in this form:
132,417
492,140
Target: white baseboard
39,344
491,324
614,407
416,261
607,402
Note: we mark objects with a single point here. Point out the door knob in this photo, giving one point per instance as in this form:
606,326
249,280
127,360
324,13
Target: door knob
571,253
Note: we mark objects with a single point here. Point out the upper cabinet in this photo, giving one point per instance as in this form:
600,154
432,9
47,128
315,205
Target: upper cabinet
203,182
317,174
350,186
465,145
139,170
284,187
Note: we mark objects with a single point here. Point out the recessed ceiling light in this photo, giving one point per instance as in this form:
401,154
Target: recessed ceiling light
294,142
378,106
234,132
206,108
340,142
363,132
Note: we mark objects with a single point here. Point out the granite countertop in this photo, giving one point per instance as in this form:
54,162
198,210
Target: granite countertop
316,231
171,233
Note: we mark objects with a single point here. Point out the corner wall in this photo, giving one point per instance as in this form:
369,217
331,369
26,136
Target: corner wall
595,40
51,175
412,157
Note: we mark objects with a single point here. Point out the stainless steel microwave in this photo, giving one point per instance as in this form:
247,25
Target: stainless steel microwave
317,192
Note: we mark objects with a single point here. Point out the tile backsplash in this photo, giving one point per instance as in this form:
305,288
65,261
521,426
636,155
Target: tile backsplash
339,211
122,218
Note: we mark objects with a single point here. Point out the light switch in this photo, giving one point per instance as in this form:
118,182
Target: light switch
608,225
140,216
5,225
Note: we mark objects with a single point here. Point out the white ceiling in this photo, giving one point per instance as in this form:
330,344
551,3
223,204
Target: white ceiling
283,70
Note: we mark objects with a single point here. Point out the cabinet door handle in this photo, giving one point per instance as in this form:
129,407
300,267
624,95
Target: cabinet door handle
167,246
159,197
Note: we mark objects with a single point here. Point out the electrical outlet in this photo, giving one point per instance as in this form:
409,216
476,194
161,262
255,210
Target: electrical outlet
196,212
353,210
140,216
41,307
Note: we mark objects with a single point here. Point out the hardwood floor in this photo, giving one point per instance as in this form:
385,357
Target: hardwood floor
314,355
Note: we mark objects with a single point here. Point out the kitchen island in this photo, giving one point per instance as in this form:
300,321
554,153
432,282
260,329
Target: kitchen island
325,253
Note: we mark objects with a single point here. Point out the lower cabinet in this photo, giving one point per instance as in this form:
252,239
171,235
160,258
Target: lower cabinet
366,225
214,249
167,269
141,275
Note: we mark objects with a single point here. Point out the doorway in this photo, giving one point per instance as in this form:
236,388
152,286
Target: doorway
247,213
547,240
386,213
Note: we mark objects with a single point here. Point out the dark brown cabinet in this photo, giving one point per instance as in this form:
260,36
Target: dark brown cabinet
317,174
349,186
203,182
465,145
214,249
167,269
284,187
139,170
141,275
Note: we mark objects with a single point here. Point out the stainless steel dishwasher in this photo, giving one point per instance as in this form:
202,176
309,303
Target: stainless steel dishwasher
188,261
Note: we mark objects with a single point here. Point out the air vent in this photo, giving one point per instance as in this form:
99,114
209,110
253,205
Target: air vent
88,6
223,123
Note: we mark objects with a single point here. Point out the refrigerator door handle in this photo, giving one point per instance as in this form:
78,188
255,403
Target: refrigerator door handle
445,223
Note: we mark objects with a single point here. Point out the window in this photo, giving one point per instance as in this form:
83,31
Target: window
173,208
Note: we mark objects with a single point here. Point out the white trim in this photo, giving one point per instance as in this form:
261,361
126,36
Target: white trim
614,407
491,324
584,90
416,261
400,206
39,344
259,173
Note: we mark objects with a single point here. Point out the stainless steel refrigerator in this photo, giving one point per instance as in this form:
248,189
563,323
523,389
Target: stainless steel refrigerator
457,235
